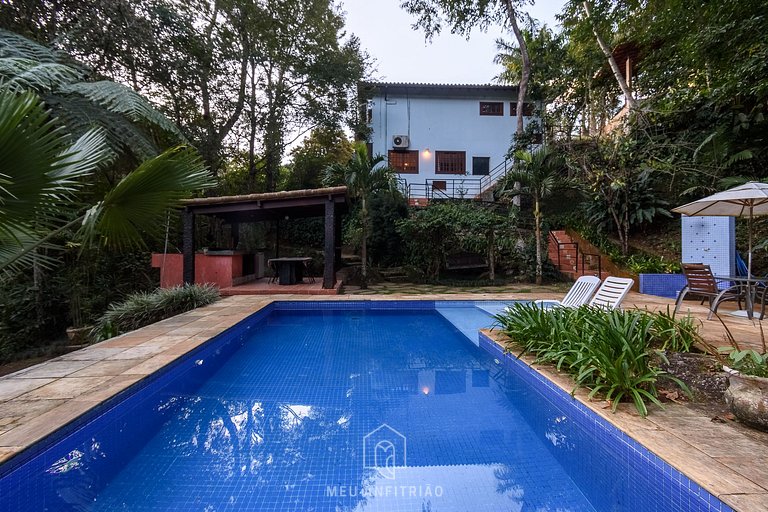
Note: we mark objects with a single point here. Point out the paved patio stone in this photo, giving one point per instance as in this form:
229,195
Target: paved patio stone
7,453
151,365
53,369
108,389
757,502
144,351
94,353
127,341
11,387
27,408
66,387
754,467
106,368
42,425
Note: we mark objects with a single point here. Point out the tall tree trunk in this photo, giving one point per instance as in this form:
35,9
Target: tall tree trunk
630,99
537,219
273,130
252,134
491,255
525,76
364,245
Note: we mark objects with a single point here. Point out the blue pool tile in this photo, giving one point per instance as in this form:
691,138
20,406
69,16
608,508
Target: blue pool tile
655,485
273,413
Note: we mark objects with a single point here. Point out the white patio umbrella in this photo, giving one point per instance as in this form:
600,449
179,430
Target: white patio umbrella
748,200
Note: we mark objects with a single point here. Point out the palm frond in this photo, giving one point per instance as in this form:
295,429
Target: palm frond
31,147
86,155
15,45
42,77
123,136
119,98
41,172
129,120
138,203
739,157
17,253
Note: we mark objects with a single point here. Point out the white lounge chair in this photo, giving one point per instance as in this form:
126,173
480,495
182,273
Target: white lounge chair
579,294
612,292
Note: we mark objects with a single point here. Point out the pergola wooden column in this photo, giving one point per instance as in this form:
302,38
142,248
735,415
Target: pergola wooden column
329,203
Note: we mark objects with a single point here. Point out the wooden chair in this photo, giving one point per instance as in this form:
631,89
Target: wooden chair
701,282
612,292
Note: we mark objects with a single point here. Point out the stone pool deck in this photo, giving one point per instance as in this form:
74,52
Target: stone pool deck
729,460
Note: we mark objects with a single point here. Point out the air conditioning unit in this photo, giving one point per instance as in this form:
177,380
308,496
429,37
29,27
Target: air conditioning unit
400,142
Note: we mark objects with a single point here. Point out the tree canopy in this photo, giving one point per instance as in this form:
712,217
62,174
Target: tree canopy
231,74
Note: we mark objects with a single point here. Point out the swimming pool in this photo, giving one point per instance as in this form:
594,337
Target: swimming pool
346,406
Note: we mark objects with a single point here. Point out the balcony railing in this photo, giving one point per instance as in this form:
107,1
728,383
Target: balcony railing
455,188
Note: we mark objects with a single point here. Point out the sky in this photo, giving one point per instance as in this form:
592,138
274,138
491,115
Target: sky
402,55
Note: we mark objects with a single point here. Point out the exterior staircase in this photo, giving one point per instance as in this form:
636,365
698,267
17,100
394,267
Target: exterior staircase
573,260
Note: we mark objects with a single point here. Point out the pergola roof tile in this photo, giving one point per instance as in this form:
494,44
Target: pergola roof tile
267,196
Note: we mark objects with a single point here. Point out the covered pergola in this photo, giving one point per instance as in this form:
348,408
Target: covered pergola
329,203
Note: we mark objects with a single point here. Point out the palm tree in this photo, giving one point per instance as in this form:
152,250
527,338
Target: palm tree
42,172
364,178
539,173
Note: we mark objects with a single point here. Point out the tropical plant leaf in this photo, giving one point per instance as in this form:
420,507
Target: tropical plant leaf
79,115
40,169
116,97
41,77
21,250
15,45
139,202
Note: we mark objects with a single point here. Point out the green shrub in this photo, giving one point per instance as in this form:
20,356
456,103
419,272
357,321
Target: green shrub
30,316
433,233
140,309
672,333
639,262
610,352
385,245
749,362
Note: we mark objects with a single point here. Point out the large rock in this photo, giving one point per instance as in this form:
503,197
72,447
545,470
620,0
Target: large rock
748,398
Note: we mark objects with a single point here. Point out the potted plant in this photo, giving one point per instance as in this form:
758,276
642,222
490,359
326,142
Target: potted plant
747,393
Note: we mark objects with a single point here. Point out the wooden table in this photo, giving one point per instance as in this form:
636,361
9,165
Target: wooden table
289,270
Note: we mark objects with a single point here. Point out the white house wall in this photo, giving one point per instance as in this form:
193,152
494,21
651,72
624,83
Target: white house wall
442,124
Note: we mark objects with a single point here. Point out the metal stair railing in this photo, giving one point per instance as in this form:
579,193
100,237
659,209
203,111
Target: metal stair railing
580,255
599,263
490,179
560,246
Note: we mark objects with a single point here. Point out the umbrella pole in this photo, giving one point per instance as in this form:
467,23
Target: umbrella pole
749,237
749,302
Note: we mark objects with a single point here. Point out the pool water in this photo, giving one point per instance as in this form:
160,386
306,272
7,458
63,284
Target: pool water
331,409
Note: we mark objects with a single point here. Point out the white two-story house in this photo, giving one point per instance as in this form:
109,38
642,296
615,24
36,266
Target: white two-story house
443,140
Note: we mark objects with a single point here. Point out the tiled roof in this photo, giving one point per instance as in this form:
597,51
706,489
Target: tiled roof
439,86
268,196
443,90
